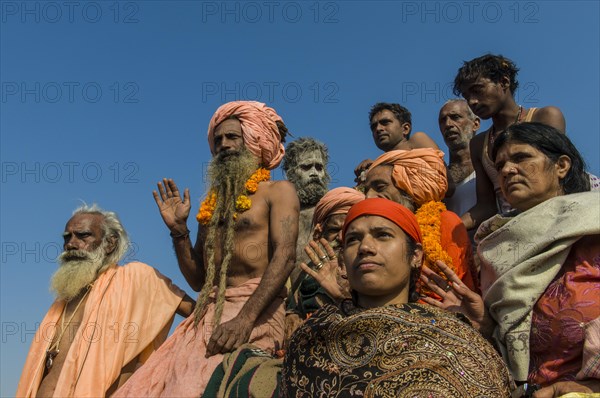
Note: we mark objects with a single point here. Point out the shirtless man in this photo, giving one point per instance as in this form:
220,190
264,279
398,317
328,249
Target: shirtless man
391,126
488,83
244,252
305,166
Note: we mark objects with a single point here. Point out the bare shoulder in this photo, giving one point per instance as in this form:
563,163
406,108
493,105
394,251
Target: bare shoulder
279,192
550,115
281,187
420,139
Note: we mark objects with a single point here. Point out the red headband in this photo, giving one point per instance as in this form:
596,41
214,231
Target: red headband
387,209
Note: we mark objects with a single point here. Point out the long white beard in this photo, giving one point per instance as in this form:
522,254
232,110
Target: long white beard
78,269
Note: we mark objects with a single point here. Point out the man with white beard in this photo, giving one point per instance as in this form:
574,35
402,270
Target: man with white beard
106,319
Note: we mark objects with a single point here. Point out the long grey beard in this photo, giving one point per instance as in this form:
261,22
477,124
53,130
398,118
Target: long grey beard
310,194
78,269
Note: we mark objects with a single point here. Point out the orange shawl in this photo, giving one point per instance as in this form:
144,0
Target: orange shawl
129,311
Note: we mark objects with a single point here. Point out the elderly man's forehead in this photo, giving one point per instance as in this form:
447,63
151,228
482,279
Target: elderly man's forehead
454,107
382,171
85,221
231,124
311,156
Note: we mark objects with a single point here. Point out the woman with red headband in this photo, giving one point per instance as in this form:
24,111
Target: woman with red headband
382,342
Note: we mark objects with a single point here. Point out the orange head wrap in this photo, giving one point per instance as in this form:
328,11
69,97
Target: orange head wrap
421,173
337,201
387,209
259,130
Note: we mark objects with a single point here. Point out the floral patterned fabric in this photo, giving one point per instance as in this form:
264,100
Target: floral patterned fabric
411,350
520,257
561,315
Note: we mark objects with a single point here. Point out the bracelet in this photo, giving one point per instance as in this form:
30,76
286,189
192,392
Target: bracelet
182,235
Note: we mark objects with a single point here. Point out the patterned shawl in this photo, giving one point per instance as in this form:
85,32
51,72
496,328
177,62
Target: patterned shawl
409,350
520,257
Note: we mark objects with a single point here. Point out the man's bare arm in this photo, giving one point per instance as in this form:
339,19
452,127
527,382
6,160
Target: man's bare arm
186,307
486,197
174,212
421,140
283,233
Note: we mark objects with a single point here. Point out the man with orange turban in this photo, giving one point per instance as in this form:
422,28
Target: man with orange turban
417,180
244,252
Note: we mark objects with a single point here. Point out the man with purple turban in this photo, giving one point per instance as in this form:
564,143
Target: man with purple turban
244,252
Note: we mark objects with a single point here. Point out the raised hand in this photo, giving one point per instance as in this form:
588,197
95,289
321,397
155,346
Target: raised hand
173,209
326,270
456,296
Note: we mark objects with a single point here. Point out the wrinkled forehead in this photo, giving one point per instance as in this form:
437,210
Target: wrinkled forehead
87,222
459,107
382,172
229,125
310,157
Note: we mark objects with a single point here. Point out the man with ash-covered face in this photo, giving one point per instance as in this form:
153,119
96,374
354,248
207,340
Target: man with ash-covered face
80,348
305,166
244,252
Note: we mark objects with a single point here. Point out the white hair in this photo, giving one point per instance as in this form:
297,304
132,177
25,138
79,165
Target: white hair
470,113
111,225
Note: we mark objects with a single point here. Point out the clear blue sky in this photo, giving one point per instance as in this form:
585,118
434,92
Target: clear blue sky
101,99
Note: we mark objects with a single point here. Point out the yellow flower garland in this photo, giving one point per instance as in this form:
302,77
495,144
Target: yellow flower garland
242,203
429,217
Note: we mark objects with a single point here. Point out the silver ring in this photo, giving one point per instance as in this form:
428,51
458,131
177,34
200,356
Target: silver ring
324,257
448,287
319,266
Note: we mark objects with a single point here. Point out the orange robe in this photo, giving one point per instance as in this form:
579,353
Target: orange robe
180,369
455,240
129,312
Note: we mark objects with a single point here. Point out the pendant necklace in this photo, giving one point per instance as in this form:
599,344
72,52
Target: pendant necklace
53,350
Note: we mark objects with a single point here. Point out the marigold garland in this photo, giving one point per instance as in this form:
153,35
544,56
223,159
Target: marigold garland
429,217
242,203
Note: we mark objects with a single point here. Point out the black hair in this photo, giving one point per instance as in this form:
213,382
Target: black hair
493,67
401,113
552,143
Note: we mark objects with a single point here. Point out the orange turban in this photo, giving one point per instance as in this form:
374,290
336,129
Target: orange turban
387,209
421,173
259,130
337,201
